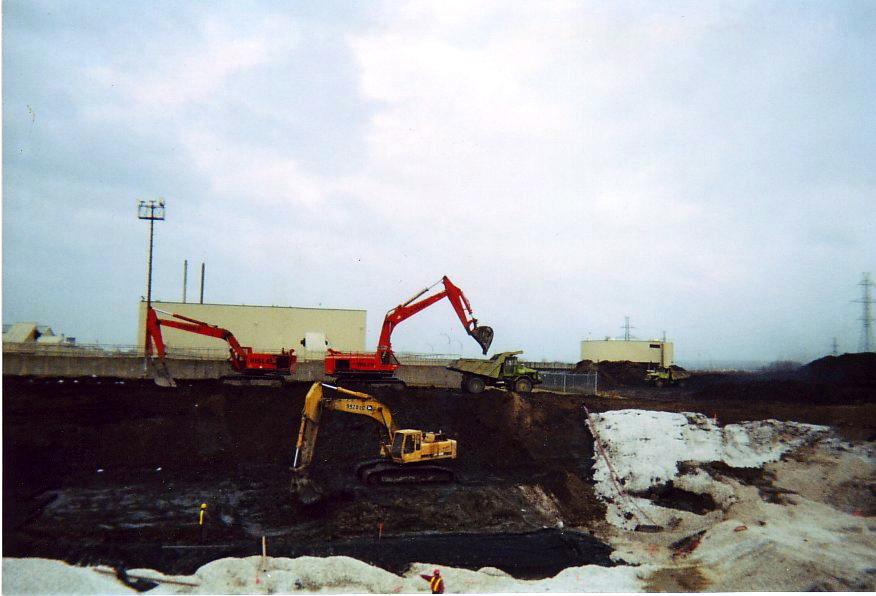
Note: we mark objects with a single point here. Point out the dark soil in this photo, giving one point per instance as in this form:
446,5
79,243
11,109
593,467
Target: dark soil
114,471
750,476
617,375
105,470
613,375
848,369
667,495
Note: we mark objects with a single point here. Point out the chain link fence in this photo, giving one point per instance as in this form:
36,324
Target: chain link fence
569,382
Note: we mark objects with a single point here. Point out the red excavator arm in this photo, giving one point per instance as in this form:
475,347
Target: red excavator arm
383,363
482,335
243,359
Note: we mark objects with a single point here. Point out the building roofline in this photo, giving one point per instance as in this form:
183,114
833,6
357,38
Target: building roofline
626,341
255,305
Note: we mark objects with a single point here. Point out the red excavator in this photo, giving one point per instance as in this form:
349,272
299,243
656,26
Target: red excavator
382,364
242,358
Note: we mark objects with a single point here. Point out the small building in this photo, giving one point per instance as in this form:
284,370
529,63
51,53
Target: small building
652,351
33,333
263,328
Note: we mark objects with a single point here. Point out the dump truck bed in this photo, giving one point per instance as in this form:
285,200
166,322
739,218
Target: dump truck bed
484,368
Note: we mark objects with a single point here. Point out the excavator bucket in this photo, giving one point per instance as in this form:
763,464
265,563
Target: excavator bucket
160,374
305,490
484,336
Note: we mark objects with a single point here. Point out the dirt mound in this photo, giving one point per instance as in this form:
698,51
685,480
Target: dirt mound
848,369
846,379
616,375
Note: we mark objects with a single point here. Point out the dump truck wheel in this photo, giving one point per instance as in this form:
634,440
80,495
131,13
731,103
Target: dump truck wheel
523,385
475,385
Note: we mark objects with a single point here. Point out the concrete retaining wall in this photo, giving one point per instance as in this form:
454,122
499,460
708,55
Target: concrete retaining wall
124,367
132,367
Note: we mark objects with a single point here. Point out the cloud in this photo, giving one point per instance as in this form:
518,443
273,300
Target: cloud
180,76
693,166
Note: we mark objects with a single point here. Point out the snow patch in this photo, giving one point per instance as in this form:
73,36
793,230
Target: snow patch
46,576
311,575
646,448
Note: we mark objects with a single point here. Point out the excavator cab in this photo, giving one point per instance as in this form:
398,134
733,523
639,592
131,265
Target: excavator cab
406,445
410,446
484,336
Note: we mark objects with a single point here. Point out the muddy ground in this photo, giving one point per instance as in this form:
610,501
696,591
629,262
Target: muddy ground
103,470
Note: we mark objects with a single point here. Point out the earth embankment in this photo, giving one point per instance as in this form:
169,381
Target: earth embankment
103,468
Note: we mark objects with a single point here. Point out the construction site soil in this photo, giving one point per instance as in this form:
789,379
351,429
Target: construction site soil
113,471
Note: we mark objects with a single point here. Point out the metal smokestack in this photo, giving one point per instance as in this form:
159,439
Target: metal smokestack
202,283
185,278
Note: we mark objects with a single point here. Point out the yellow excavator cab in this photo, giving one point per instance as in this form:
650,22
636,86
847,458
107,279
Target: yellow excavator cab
414,445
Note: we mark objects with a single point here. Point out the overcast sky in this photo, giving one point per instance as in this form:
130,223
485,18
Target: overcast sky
707,169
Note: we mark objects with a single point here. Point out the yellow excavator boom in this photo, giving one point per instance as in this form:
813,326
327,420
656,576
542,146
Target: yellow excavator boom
358,403
405,448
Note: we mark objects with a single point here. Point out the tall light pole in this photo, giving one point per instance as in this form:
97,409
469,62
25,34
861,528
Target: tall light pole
152,211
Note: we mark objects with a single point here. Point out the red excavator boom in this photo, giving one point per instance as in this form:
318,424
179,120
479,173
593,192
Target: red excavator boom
383,362
242,358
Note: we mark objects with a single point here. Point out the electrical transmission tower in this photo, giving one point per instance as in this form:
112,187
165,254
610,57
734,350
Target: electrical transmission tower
627,328
866,342
835,347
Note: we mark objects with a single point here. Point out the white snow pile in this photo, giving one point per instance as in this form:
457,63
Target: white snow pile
645,449
46,576
312,575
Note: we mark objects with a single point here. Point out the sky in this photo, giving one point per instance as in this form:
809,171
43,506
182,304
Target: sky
706,168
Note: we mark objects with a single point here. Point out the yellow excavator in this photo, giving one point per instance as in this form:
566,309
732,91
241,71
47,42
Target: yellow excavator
405,455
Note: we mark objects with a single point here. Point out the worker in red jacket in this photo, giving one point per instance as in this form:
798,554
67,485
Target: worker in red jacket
436,582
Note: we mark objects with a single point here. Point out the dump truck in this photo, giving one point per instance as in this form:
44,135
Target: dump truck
672,375
502,370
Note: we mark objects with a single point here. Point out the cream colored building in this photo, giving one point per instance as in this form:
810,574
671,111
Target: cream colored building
23,333
263,328
616,350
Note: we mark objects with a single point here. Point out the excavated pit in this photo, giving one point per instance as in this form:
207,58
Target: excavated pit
112,471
